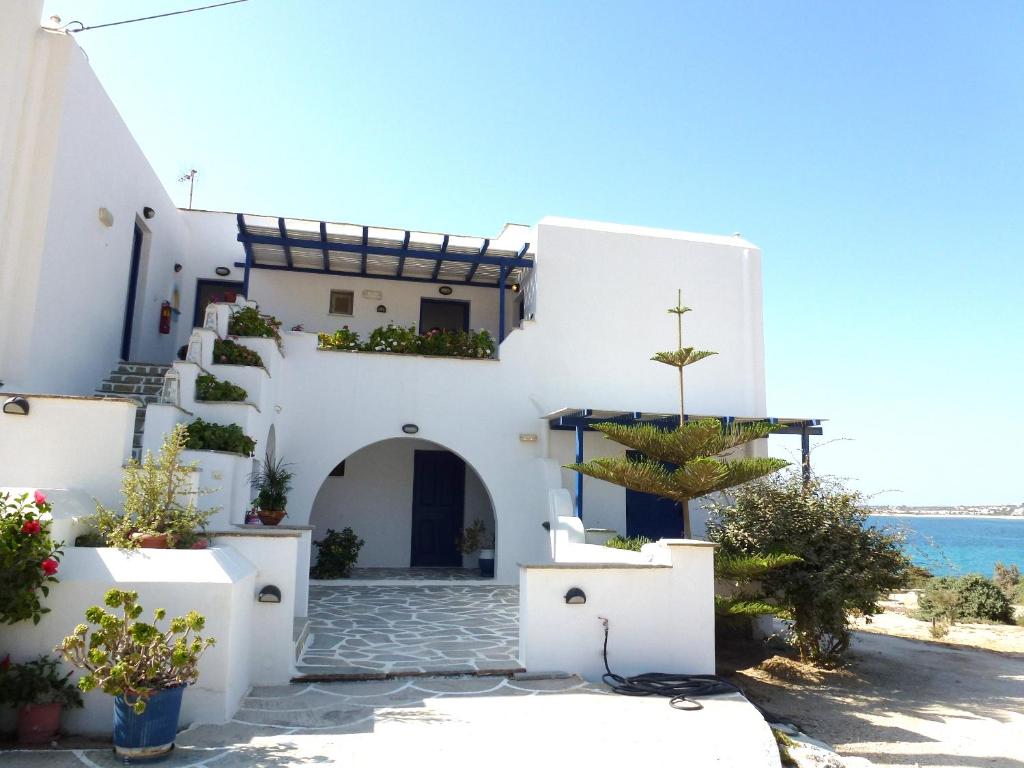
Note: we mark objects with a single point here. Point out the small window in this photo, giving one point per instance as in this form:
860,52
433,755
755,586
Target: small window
341,303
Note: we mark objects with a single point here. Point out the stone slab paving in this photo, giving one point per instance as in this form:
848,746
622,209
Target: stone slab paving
366,631
415,574
490,721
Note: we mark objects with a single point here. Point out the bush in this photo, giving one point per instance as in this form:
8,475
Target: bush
211,389
37,682
632,543
249,322
1008,579
342,338
207,436
393,338
969,598
227,352
152,492
401,340
336,554
28,557
844,566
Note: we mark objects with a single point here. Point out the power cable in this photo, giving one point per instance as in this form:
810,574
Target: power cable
83,28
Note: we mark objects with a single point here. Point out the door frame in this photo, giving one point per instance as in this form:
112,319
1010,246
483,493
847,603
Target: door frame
197,321
461,504
431,300
135,266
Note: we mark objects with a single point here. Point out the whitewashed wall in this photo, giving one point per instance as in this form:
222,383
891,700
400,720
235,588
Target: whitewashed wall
375,498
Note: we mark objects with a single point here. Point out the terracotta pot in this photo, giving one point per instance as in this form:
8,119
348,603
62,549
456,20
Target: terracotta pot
38,723
201,544
272,517
152,540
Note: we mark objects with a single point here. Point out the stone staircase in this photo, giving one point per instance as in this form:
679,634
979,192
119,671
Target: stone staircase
140,381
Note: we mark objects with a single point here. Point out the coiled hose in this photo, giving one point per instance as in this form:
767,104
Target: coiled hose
679,688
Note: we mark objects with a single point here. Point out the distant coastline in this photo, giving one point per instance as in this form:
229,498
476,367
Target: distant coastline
993,511
971,515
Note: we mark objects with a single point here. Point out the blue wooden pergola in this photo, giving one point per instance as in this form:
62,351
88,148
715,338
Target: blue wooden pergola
353,250
582,420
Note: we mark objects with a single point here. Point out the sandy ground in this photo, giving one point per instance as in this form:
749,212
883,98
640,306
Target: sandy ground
904,702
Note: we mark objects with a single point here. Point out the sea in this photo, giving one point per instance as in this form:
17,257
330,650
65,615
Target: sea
954,546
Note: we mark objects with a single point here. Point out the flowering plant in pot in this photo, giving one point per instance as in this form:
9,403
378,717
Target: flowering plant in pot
29,558
143,668
159,509
477,538
273,481
39,691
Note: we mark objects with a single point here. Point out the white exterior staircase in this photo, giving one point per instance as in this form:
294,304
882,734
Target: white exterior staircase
140,381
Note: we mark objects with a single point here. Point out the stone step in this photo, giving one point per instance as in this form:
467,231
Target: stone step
124,378
142,369
131,389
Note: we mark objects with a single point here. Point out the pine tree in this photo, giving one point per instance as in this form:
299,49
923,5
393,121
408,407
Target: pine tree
694,448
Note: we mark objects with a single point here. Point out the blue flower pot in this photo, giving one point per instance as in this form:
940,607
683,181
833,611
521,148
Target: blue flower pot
149,736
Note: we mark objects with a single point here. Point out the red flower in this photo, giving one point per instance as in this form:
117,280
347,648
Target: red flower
49,565
5,663
31,526
40,499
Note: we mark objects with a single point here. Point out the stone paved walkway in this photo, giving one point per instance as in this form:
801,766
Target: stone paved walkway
414,574
427,722
360,632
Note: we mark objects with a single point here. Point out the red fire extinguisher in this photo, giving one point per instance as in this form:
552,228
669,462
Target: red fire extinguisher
165,317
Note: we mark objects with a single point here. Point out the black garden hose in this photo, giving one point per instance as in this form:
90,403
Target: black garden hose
679,688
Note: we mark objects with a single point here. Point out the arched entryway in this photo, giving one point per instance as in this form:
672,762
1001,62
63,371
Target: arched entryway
410,500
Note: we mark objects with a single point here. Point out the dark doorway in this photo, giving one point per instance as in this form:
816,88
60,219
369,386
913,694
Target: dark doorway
208,291
652,516
133,286
445,314
438,500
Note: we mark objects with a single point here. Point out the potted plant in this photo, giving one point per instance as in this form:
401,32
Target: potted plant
337,552
477,538
143,668
153,515
29,558
272,481
39,691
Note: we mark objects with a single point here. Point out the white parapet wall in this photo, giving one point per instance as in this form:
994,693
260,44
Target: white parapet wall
659,604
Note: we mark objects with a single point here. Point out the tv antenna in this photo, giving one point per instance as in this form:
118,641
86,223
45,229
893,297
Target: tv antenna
190,177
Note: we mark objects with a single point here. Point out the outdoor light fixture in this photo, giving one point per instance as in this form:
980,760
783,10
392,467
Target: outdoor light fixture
527,437
148,212
177,267
516,288
381,308
445,290
410,429
269,594
222,271
17,406
106,217
575,596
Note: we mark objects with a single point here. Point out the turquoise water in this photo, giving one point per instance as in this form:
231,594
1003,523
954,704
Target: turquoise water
958,545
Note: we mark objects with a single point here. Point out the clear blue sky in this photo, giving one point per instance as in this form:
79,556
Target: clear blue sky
874,150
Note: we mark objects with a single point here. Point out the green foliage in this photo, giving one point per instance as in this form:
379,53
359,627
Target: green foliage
968,598
401,340
918,577
342,338
1008,579
680,358
37,682
126,657
228,352
29,557
630,543
211,389
336,554
249,322
475,538
739,575
844,566
158,498
208,436
272,481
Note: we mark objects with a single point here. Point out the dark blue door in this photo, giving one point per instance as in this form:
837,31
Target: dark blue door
133,284
438,496
651,516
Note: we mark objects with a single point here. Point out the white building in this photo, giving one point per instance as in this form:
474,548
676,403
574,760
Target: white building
404,449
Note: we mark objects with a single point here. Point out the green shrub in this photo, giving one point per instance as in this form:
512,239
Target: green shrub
249,322
336,554
342,338
918,577
227,352
211,389
29,558
1008,579
632,543
37,682
207,436
969,598
152,491
844,566
393,338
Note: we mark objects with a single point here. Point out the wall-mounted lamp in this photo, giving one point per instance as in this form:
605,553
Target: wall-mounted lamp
516,288
106,217
17,406
546,526
269,594
148,212
222,271
528,437
410,429
381,308
177,267
445,290
575,596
